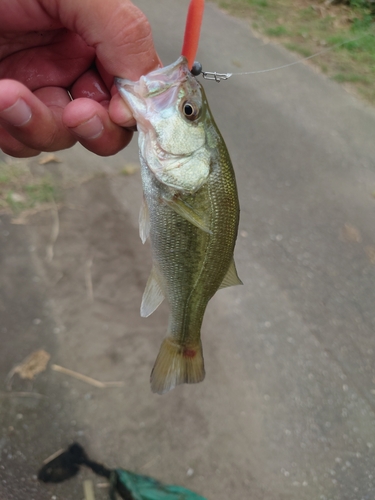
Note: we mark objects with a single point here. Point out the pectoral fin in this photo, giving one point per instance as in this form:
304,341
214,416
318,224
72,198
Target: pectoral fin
188,213
144,221
153,295
231,278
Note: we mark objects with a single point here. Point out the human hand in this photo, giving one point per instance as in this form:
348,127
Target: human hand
50,48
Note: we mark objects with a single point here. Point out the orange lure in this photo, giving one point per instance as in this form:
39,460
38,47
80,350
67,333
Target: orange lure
192,30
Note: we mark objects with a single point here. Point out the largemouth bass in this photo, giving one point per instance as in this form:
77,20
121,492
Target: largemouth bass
190,211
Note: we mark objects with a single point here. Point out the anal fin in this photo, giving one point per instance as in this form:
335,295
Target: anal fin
153,295
231,278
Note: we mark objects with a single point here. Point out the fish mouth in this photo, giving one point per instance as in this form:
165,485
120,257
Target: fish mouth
153,84
158,80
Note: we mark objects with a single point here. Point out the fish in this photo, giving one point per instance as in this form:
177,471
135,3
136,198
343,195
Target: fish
190,211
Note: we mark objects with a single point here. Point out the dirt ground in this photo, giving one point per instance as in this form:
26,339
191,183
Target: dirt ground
71,283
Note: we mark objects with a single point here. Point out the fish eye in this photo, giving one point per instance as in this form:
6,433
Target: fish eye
190,110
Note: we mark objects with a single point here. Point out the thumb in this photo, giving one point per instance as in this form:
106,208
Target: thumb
117,29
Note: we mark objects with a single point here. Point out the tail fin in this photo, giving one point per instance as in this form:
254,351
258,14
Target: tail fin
177,364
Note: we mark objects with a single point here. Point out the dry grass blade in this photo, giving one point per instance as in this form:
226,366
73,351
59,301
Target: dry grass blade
22,219
88,489
54,233
54,455
150,462
85,378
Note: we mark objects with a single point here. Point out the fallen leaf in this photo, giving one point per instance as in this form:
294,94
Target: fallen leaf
17,197
370,252
31,366
130,169
35,363
350,234
49,158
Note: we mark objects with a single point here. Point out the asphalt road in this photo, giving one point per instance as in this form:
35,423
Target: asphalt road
287,407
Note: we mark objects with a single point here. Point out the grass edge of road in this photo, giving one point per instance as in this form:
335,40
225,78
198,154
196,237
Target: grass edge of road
307,28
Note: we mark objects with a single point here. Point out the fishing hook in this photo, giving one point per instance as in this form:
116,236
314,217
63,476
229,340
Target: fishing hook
213,75
209,75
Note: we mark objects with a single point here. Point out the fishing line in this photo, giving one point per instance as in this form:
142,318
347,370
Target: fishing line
218,77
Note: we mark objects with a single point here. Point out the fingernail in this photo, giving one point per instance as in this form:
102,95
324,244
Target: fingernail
91,129
18,114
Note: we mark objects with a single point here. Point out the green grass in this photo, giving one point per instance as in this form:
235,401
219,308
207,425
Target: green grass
308,27
258,3
276,31
351,78
20,190
363,43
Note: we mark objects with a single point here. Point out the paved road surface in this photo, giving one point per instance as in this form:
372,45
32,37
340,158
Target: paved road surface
287,408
